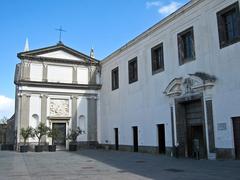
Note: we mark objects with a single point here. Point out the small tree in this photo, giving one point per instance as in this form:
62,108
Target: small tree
41,131
4,120
26,133
73,134
53,133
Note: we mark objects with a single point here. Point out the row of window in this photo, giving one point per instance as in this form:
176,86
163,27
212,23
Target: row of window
229,33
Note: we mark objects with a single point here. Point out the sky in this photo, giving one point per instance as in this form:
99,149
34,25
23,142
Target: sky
105,25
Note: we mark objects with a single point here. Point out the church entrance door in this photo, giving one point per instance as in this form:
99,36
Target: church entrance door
191,129
60,141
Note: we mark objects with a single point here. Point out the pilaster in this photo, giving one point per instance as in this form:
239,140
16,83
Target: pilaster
74,75
44,74
92,118
74,111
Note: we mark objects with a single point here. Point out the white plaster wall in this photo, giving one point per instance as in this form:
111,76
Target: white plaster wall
36,72
82,110
60,74
143,103
35,108
62,55
82,75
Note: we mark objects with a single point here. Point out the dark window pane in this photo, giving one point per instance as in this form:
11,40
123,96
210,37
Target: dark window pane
157,58
132,70
115,79
186,49
228,25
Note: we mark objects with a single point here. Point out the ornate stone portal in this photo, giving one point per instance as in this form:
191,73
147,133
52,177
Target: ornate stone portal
59,107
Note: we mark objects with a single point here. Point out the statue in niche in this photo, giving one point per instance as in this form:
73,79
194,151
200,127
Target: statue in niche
59,107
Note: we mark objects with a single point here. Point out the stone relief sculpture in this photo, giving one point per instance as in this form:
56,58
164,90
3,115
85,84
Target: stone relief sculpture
59,107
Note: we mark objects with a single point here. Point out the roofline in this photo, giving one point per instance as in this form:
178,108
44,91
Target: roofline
23,55
183,9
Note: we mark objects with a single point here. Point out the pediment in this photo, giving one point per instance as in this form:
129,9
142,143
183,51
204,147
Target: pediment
61,54
193,83
59,51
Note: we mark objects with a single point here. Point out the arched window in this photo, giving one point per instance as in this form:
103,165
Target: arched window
35,120
82,123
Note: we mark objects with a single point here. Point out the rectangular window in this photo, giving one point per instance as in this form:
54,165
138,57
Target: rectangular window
186,46
229,25
115,79
157,59
132,70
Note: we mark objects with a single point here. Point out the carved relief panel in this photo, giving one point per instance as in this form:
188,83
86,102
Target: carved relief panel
59,107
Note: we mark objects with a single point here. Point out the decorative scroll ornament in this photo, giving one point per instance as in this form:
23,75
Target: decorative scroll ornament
193,83
59,107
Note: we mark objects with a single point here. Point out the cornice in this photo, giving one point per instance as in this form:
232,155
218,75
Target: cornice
59,85
154,28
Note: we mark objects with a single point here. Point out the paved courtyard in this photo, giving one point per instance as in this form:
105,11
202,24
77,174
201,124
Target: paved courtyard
104,165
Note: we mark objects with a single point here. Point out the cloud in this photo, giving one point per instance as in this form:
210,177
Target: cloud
169,8
6,106
164,9
153,4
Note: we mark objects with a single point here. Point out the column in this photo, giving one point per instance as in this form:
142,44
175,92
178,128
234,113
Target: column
74,75
45,70
24,111
74,112
43,108
92,118
25,70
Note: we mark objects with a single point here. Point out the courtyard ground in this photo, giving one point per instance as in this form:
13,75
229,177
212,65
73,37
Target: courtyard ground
104,165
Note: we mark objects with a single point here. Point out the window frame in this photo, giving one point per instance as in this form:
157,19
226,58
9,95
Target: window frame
183,60
223,41
116,85
153,58
130,81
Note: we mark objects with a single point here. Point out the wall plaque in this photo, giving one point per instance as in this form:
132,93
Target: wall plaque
222,126
59,107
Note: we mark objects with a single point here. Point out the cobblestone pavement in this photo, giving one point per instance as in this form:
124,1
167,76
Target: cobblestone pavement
104,165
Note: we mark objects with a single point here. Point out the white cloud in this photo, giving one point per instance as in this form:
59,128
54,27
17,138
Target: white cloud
153,4
6,106
169,8
166,9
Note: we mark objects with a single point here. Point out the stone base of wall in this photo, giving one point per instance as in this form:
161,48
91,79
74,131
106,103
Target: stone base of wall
88,145
141,149
225,153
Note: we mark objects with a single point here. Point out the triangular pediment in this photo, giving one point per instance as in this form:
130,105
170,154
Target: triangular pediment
61,54
59,51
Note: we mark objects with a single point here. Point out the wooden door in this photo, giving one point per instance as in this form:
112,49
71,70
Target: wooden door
116,139
60,141
135,139
161,139
236,132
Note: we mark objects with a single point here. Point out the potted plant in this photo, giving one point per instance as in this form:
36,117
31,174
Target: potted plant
72,136
54,134
39,132
25,133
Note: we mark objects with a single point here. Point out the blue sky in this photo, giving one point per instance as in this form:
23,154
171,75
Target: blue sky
103,24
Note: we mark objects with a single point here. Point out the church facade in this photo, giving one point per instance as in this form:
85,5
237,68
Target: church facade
58,86
174,89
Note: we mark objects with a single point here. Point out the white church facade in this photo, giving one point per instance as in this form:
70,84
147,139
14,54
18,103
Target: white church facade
59,87
172,89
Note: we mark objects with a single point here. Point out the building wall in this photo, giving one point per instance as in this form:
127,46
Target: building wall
144,104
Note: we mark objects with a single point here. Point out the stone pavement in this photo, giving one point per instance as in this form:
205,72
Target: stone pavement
106,165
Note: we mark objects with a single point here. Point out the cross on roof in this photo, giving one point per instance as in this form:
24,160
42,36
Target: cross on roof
60,29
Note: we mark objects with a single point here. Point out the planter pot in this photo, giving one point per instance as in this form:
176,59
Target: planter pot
38,148
51,148
72,147
24,148
7,147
